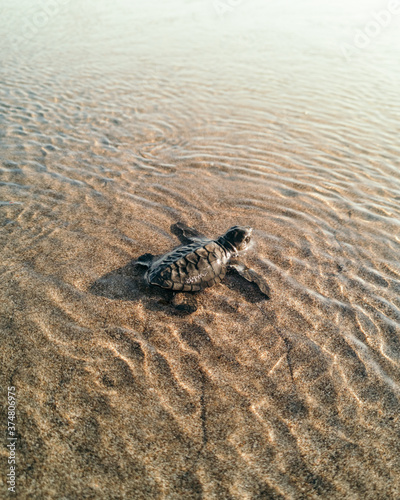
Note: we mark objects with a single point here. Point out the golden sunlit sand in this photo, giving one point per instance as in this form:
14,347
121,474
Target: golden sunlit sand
117,122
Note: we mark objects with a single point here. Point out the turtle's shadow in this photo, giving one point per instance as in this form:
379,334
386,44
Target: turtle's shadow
128,283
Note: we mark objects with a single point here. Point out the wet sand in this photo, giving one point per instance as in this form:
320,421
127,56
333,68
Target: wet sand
116,124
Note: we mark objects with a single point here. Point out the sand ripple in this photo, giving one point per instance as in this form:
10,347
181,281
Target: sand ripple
118,395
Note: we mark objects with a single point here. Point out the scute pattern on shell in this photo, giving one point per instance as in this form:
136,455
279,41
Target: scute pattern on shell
190,267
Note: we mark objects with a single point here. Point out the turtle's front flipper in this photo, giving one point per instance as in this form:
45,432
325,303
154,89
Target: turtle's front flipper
250,275
187,234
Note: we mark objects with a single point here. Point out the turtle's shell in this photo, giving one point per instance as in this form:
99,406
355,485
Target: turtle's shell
190,268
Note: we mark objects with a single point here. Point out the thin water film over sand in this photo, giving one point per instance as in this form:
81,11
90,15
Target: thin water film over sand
118,121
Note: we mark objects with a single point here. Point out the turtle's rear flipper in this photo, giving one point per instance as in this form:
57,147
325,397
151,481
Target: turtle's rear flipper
145,260
184,305
250,275
186,233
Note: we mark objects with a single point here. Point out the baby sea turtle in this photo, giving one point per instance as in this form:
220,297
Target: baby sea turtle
201,262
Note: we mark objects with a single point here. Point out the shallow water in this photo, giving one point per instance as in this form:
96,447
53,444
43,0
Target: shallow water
117,122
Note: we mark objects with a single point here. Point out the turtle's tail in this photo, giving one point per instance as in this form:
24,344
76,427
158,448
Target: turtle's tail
145,260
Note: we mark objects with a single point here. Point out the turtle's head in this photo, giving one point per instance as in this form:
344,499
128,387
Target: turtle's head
238,237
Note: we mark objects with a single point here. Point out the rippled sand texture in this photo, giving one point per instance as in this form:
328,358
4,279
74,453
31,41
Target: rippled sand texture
108,136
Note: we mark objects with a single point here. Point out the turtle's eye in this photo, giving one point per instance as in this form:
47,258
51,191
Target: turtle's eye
247,239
